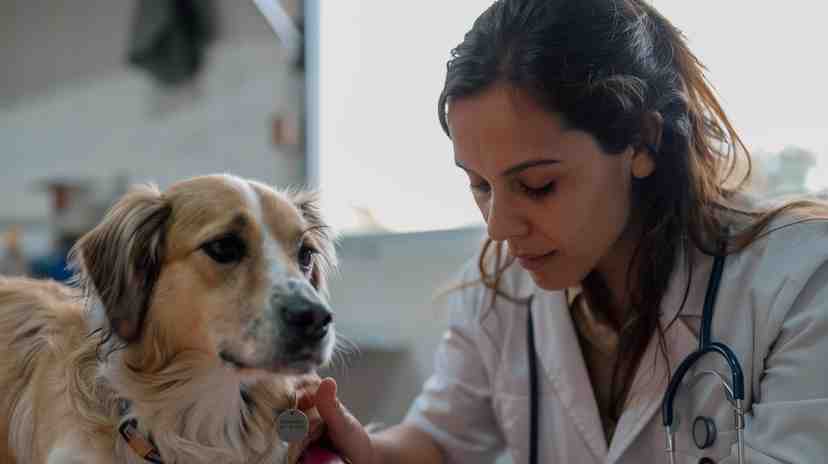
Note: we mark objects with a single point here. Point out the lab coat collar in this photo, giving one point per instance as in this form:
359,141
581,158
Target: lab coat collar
563,363
652,375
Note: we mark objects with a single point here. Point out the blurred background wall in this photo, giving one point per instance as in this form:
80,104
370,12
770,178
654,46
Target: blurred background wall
73,111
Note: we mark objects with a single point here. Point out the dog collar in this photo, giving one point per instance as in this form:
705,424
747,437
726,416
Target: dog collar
140,444
286,424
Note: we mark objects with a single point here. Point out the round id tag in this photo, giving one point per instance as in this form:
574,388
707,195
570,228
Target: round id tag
293,425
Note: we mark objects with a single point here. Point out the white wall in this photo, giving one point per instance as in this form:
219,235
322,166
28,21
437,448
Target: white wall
381,67
384,301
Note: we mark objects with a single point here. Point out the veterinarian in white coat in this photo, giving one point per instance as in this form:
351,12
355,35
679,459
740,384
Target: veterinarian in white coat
599,158
772,310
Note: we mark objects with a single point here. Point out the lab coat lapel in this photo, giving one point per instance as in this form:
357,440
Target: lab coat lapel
651,378
647,391
563,362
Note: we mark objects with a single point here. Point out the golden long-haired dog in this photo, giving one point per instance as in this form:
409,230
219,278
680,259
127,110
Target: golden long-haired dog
196,312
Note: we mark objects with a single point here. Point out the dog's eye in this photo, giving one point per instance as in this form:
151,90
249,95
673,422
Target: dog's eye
306,259
227,249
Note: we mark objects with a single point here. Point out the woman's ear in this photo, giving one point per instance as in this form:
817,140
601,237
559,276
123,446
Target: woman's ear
121,258
643,164
643,161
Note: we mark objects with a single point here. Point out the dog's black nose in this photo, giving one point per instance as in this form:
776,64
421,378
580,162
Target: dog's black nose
304,314
306,317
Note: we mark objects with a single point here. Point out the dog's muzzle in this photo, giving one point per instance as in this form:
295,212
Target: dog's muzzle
296,332
304,317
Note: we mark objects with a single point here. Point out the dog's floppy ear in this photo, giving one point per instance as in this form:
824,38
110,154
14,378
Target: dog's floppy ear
121,258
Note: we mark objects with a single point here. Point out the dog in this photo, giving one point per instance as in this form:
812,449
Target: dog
197,314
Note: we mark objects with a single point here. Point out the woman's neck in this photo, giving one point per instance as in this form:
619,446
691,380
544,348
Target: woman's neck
612,280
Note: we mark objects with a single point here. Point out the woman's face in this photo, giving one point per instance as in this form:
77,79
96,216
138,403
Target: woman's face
552,194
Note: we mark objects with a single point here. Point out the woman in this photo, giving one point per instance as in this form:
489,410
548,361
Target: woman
600,158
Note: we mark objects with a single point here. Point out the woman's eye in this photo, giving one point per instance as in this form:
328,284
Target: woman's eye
225,250
306,259
539,191
481,187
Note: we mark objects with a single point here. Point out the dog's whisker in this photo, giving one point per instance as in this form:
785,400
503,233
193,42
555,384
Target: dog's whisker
349,354
347,349
343,352
345,365
346,344
336,357
335,365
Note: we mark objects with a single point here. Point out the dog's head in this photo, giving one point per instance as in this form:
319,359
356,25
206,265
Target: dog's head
219,265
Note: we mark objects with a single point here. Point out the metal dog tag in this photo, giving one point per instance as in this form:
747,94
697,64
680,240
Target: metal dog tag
292,425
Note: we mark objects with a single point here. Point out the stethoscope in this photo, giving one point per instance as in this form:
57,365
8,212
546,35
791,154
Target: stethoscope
704,429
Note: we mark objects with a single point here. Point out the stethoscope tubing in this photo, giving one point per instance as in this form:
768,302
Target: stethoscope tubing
533,387
706,345
736,390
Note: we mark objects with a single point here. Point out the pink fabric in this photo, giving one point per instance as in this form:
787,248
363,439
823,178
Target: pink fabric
315,454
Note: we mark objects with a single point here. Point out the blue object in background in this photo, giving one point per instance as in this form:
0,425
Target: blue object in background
53,266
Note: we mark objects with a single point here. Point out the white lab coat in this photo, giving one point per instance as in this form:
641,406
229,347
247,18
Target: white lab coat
772,310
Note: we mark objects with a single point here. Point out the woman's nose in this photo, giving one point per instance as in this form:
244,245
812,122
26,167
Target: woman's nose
504,221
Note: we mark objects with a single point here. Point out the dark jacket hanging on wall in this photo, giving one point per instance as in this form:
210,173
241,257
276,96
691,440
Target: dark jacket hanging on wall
168,38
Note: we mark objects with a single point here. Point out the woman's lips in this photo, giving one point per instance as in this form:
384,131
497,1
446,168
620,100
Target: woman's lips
534,263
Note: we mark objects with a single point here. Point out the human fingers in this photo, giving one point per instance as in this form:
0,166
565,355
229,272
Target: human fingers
345,432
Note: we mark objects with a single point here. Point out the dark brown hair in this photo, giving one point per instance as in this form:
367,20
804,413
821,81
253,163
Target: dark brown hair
604,66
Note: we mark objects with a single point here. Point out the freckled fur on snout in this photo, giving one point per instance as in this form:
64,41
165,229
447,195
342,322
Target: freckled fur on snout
145,323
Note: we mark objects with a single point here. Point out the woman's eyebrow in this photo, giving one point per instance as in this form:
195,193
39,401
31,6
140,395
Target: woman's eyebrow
520,167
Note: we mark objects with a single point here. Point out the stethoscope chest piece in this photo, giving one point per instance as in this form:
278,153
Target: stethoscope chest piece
704,432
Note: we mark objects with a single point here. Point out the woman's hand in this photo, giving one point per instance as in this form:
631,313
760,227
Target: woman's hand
346,434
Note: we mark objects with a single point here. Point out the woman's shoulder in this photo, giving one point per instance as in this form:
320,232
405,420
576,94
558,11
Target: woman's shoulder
782,279
790,245
786,261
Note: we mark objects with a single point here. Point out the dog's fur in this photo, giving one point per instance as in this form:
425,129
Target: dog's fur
197,346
